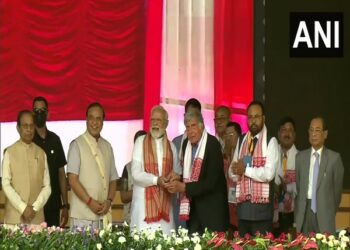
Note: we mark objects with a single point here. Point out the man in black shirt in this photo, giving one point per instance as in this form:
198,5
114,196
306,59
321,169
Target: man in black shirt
56,160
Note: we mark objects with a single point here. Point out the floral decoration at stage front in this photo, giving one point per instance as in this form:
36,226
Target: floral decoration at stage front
124,237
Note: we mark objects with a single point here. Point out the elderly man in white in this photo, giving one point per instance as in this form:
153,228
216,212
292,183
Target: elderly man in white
154,163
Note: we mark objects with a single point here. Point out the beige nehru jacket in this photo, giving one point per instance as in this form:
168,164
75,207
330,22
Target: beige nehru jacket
26,181
89,173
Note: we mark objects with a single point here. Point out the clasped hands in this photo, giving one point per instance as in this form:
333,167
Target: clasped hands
238,168
172,183
100,208
28,214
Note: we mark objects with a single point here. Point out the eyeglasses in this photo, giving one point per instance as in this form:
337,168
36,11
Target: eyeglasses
27,126
229,134
40,110
221,119
315,131
254,117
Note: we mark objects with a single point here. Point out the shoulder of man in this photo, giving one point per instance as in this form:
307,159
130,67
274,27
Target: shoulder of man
177,139
53,135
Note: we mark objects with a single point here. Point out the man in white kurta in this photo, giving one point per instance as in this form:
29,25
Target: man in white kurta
143,179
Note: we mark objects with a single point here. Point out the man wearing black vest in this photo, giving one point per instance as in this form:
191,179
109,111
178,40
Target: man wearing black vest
255,163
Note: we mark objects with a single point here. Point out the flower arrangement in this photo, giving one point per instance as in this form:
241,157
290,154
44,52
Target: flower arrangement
124,237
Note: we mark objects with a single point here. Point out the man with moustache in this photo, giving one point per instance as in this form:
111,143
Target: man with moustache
154,161
25,176
222,117
319,181
56,159
92,174
285,174
255,164
204,194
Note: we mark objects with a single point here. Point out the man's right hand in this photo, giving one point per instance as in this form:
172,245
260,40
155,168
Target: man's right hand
28,214
95,206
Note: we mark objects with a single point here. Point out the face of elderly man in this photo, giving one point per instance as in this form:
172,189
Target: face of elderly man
26,128
159,123
194,130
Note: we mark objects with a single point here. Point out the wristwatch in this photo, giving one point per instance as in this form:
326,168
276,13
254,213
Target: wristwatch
65,206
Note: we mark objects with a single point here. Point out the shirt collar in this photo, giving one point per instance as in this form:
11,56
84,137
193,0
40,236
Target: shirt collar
319,151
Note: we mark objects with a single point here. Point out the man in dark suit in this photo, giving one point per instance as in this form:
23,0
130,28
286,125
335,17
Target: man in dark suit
204,194
319,181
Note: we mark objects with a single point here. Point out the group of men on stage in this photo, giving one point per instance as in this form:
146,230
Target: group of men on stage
249,182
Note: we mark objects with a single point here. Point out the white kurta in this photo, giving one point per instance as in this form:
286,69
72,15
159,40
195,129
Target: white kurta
142,180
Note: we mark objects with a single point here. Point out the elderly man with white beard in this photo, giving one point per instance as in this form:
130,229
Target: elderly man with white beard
154,163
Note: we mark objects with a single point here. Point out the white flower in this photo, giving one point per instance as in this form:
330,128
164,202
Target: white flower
159,247
195,239
121,239
110,241
186,238
178,241
343,245
330,243
319,236
171,248
324,241
136,237
331,237
345,239
125,224
102,232
342,233
313,239
197,247
336,242
99,246
15,228
151,236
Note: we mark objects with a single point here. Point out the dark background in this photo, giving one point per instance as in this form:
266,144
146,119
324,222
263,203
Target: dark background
304,87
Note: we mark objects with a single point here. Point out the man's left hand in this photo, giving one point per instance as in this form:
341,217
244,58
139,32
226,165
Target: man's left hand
64,217
175,187
106,205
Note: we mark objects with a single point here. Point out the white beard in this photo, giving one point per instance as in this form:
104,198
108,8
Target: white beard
157,134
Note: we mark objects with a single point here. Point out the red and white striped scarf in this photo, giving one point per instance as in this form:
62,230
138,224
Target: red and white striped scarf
191,172
247,188
157,199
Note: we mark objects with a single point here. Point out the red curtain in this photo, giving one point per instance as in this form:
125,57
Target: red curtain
233,53
72,53
153,61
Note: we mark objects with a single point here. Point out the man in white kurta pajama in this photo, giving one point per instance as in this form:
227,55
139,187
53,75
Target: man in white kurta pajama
165,158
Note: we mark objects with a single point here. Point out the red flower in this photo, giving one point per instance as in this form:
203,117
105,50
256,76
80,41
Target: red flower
310,244
236,246
269,236
277,247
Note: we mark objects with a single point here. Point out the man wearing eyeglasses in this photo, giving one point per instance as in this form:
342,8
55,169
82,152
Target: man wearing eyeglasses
51,144
319,181
222,117
254,164
25,176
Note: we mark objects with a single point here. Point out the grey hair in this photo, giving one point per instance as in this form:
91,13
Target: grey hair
160,109
195,114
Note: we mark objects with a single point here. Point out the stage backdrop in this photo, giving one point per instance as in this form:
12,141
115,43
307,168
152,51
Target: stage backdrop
127,55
